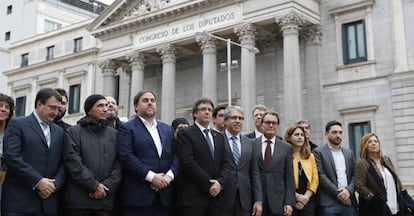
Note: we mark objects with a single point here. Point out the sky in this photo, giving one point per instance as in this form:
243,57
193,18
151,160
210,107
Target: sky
108,2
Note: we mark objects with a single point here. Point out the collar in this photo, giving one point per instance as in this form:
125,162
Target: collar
39,120
273,139
146,123
201,127
230,135
334,150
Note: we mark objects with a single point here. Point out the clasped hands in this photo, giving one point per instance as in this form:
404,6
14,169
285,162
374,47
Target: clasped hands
160,181
344,196
100,192
301,201
46,187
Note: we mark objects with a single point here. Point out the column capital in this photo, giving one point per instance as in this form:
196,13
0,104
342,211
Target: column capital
167,52
246,32
290,19
136,58
312,33
108,67
207,43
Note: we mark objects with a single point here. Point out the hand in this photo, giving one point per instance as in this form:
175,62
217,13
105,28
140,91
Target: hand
299,205
344,196
303,199
215,188
46,187
287,210
257,209
160,181
100,192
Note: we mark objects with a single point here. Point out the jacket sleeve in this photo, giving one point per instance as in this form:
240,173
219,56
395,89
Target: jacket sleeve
290,198
313,186
73,162
114,178
325,182
361,179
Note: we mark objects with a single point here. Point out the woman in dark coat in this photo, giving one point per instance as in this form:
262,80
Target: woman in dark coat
376,181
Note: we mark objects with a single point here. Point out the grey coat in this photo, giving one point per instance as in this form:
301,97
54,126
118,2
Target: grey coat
90,157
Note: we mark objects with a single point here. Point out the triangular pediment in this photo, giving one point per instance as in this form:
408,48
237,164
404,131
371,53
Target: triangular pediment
124,15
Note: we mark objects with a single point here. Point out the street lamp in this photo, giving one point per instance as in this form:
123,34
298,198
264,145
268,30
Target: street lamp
230,64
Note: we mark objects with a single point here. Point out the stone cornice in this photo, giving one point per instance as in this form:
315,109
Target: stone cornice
58,60
351,7
119,23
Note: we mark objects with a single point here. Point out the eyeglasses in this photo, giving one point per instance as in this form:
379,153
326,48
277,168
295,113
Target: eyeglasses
203,109
241,118
270,123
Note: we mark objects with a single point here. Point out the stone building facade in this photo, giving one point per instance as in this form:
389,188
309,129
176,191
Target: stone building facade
319,60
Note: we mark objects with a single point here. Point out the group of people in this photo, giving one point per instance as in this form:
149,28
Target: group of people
144,166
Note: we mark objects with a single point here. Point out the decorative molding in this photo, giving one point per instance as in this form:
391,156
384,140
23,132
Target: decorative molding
206,42
289,19
246,32
269,43
167,52
108,67
136,58
149,6
369,108
351,7
311,33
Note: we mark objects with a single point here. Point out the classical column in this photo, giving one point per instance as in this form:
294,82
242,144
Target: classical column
291,66
136,59
167,53
208,46
246,34
108,72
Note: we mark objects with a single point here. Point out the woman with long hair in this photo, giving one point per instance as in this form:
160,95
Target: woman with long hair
304,169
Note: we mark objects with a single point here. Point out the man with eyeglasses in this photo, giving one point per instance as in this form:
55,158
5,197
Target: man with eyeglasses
307,127
32,153
274,158
243,191
204,165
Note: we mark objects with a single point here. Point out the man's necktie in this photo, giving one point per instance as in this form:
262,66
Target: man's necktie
46,132
268,153
210,144
236,150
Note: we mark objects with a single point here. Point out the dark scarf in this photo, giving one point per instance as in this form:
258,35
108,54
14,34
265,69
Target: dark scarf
93,124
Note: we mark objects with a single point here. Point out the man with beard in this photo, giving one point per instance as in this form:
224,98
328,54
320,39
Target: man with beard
90,157
147,153
112,114
336,174
62,109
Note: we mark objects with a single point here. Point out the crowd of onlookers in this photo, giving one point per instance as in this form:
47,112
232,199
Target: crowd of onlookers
103,167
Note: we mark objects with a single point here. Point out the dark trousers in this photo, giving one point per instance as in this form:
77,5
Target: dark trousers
207,210
236,209
86,212
20,214
267,211
308,209
156,209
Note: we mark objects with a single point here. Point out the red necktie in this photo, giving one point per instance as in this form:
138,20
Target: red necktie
268,153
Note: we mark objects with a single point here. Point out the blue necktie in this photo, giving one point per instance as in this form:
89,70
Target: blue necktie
210,144
236,151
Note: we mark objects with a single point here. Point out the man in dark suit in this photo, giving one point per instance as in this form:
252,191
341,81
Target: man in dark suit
276,168
147,153
336,174
32,153
204,165
242,195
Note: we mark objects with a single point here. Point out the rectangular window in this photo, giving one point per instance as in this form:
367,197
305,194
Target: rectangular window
77,44
354,42
51,26
7,36
50,52
21,106
25,60
356,131
74,99
9,9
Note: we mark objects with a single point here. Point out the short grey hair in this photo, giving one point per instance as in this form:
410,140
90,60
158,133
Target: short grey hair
228,110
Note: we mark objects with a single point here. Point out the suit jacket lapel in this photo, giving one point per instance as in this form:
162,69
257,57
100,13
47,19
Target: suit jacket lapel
331,161
244,149
203,140
146,134
34,124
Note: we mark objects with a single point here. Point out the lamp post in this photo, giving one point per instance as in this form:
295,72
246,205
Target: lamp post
229,62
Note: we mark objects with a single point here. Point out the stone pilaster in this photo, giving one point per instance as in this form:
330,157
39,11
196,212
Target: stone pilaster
168,57
108,72
136,60
290,24
247,36
209,78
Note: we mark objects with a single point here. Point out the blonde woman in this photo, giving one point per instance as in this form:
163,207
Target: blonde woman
376,180
304,169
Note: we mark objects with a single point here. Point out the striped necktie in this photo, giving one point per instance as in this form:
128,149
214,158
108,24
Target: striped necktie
236,150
